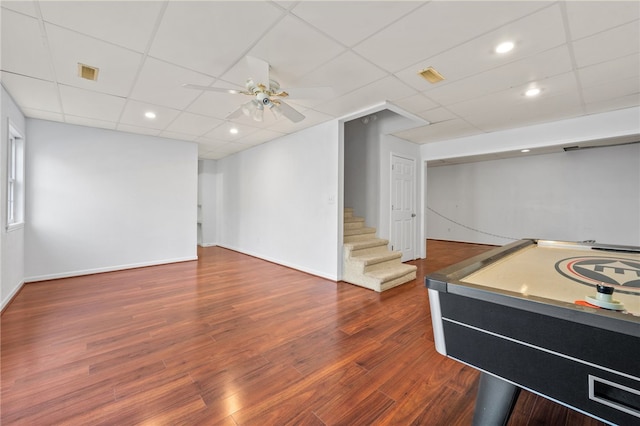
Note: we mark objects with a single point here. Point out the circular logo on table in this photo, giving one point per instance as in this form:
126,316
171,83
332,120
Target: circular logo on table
621,274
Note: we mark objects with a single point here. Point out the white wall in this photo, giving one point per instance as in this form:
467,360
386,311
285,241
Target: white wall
100,200
361,171
207,189
573,196
278,201
12,242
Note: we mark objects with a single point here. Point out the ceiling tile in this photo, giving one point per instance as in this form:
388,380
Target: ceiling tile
417,102
222,132
118,66
510,109
370,16
609,14
290,57
217,104
449,129
531,69
26,7
613,104
259,137
437,27
312,118
437,115
161,83
88,122
612,89
193,124
88,104
616,69
43,115
343,74
612,44
386,89
125,23
209,37
138,130
177,136
32,93
26,54
134,111
477,55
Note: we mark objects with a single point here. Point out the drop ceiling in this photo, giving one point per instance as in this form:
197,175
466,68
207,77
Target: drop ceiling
584,56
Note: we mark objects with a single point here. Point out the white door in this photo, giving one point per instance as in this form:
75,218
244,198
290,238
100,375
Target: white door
403,173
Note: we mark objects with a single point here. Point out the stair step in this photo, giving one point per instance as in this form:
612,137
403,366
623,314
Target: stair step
360,245
385,275
348,212
353,219
359,231
353,223
372,259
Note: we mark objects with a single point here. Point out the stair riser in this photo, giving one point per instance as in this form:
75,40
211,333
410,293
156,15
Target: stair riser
398,281
382,265
358,237
353,225
366,251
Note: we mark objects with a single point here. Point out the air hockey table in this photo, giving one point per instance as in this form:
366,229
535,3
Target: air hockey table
560,319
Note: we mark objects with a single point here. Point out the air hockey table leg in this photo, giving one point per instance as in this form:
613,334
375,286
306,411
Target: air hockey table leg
494,402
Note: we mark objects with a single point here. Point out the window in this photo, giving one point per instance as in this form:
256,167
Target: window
15,179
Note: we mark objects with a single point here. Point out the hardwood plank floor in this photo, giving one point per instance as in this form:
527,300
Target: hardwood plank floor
234,340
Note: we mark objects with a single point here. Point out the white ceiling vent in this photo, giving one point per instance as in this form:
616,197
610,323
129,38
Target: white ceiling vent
87,72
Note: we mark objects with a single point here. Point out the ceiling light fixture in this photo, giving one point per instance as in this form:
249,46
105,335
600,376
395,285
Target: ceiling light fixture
525,150
534,91
505,47
233,130
150,115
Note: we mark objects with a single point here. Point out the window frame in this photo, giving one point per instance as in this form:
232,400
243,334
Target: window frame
15,178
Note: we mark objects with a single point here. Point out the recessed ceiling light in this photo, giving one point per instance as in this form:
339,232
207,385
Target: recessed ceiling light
233,131
534,91
525,150
505,47
150,115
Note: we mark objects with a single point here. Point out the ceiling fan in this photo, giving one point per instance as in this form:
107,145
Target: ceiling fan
266,93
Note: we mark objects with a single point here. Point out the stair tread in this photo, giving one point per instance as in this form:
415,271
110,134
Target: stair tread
358,231
392,273
353,219
373,258
374,242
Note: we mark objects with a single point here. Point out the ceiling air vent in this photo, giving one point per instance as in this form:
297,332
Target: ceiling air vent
431,75
87,72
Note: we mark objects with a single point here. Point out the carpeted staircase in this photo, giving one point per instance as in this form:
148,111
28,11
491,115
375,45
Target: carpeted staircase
367,260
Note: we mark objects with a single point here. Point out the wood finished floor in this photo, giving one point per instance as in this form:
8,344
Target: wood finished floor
234,340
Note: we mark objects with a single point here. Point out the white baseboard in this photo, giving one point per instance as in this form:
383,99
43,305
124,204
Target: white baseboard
106,269
207,244
11,295
320,274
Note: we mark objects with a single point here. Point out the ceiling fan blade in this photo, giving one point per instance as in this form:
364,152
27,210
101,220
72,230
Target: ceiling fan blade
310,92
290,113
258,70
215,89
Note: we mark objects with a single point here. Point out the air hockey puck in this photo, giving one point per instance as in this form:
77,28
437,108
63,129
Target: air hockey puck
604,299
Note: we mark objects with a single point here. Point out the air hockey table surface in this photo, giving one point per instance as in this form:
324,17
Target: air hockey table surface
518,314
